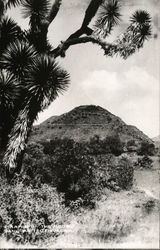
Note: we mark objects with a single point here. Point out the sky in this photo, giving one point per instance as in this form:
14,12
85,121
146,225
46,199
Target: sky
127,88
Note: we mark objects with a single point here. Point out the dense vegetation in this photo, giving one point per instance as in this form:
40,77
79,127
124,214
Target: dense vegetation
58,178
55,175
75,168
29,214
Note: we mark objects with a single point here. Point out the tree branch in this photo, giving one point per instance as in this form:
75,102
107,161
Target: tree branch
91,11
129,42
89,14
64,46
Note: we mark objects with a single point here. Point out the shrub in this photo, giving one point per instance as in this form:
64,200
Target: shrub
65,165
35,150
36,164
74,171
144,162
121,173
149,205
72,168
96,146
115,172
111,144
131,143
131,146
114,144
146,148
30,214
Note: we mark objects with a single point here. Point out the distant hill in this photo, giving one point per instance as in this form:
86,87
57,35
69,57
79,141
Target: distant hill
84,122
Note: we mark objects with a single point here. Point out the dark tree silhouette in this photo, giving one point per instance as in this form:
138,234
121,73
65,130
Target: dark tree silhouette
30,78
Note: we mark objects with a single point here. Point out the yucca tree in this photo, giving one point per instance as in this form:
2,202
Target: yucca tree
30,78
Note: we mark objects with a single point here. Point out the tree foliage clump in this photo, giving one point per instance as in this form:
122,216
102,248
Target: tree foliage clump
28,66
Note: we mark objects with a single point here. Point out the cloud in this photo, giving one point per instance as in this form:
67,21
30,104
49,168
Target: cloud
133,95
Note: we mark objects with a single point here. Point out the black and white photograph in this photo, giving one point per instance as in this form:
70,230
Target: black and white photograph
79,124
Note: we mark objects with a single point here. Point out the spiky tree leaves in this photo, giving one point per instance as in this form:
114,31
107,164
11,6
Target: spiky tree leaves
36,10
17,57
141,25
9,32
45,80
109,16
34,39
9,91
54,10
133,39
141,17
9,94
40,7
13,3
40,14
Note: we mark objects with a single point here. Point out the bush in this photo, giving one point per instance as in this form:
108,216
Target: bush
64,164
131,146
111,144
144,162
96,146
72,168
146,148
37,165
122,173
149,205
30,214
116,172
114,144
74,171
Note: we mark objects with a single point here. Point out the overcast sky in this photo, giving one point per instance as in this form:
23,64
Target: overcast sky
127,88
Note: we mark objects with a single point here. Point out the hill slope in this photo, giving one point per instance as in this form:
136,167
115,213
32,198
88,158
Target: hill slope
84,122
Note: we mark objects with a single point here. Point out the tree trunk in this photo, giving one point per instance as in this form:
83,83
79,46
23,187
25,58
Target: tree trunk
17,143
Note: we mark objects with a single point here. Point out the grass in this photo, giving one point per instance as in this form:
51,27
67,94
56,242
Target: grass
115,217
